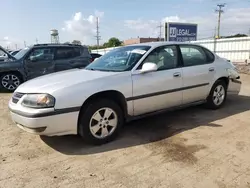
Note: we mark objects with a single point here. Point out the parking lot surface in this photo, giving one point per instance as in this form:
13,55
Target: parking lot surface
194,147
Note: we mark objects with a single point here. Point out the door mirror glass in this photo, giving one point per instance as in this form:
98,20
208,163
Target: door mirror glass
149,67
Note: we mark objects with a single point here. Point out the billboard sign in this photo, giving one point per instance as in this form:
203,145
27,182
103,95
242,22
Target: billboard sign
181,32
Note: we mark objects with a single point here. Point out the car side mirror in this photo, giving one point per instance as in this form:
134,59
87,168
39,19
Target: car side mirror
148,67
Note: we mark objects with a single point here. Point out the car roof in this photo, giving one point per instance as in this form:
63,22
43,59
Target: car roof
157,44
58,45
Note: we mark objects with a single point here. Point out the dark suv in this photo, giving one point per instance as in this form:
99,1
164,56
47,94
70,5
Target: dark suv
39,60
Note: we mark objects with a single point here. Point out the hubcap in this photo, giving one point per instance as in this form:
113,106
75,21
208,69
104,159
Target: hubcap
103,123
10,82
219,95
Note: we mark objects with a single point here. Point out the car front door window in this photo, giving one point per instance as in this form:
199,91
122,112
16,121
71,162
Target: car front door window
42,54
164,57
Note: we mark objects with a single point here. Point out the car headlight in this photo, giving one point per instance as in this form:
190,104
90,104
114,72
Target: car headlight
38,101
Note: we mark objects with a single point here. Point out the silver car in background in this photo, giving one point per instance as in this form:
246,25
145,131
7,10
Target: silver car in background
124,84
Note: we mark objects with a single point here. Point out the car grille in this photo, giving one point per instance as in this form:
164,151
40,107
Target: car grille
16,97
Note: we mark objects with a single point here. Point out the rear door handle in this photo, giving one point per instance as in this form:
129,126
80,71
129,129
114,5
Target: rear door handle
177,74
211,69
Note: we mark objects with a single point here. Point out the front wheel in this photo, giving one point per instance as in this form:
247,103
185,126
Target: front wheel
217,95
100,122
10,81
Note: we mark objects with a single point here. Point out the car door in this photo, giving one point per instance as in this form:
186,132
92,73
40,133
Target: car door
69,57
39,61
158,90
198,72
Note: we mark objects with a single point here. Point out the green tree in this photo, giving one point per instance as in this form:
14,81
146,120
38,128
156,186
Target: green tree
76,42
233,36
112,42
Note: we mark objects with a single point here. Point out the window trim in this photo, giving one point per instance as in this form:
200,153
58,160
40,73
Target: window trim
163,46
195,47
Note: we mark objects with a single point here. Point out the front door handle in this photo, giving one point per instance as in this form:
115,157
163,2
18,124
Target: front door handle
177,74
211,69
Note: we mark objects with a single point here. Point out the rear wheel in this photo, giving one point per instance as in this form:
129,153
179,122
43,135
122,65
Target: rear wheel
10,81
100,122
217,95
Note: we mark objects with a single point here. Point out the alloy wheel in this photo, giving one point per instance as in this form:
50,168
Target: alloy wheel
219,95
10,82
103,123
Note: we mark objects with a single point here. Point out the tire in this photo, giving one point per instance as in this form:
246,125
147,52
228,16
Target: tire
10,81
100,132
217,96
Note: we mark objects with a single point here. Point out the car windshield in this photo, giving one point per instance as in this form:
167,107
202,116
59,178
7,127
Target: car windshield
21,53
120,59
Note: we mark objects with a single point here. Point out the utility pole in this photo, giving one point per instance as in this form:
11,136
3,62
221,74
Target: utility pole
220,11
98,37
215,40
160,31
16,46
24,43
36,41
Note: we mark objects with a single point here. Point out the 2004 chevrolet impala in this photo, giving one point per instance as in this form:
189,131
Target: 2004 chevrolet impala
126,83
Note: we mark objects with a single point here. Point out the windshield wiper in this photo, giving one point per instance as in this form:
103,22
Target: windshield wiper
91,69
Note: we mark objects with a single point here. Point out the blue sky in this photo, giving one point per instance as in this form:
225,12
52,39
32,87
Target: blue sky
26,20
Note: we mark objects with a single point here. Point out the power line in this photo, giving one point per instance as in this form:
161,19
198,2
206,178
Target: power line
98,37
220,11
160,30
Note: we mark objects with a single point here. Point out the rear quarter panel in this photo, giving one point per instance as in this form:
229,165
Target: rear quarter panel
221,67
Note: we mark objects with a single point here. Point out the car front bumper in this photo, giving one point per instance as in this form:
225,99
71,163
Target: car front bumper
42,123
234,87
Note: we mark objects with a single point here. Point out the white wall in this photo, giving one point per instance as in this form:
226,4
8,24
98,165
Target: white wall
234,49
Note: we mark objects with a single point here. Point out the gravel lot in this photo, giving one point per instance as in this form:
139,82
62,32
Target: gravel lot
194,147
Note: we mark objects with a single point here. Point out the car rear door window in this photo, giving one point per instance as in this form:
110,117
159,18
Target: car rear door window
210,56
193,55
67,52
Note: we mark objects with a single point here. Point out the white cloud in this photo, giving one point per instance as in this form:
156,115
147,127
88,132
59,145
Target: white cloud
149,28
82,28
173,19
142,28
11,42
99,13
233,21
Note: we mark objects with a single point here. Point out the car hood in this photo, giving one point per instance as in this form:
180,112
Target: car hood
52,82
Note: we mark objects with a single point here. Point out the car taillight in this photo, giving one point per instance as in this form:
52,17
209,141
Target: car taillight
91,60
